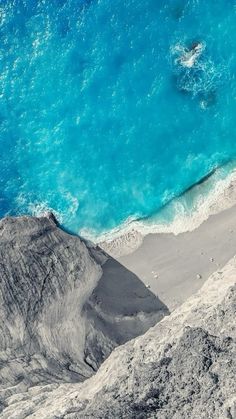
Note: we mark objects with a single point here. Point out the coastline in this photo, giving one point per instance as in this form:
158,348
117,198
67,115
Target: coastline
174,261
211,196
175,266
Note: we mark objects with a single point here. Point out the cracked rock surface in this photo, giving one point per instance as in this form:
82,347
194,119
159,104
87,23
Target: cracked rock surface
59,316
183,367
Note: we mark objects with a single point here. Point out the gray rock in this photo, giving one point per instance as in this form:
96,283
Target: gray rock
59,315
184,367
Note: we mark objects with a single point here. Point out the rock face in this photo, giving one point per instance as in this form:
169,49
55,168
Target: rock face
59,316
184,367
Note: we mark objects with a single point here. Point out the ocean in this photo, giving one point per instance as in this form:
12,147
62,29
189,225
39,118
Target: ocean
111,111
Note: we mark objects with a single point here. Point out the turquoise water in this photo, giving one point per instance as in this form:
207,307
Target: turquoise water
100,119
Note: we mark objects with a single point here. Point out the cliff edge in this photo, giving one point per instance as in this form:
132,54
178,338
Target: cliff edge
59,315
184,367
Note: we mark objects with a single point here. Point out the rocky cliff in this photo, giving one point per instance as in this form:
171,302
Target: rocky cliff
184,367
59,315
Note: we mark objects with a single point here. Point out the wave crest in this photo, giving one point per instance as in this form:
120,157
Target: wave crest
215,194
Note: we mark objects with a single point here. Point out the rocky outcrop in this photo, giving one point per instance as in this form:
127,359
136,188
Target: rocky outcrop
184,367
59,316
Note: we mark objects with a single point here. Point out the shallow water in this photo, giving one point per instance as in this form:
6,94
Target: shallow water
100,118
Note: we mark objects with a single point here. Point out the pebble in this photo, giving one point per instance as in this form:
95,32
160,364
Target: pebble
199,276
212,259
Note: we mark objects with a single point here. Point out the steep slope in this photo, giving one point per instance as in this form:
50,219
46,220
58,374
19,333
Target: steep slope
184,367
58,316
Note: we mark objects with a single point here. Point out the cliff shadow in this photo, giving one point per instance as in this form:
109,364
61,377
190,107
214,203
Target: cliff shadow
123,304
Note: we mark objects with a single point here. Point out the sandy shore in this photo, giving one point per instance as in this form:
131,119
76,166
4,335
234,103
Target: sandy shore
174,267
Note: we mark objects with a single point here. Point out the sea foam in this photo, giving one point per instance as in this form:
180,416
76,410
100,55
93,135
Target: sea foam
209,197
107,125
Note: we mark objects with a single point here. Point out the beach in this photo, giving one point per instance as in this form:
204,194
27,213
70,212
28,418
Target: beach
118,209
174,267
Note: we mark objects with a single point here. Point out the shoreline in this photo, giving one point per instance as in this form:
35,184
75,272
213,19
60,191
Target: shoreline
175,260
174,267
211,196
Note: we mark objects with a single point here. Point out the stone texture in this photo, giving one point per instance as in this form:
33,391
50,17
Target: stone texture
184,367
59,318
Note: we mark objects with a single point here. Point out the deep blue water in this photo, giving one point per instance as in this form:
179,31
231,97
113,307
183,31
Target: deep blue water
99,119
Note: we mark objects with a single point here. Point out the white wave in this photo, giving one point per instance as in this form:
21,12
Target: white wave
39,209
129,236
196,73
188,57
210,197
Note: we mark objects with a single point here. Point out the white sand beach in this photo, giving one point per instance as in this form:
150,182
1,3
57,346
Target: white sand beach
175,267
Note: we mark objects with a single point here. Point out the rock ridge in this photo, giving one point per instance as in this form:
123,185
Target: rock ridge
55,322
183,367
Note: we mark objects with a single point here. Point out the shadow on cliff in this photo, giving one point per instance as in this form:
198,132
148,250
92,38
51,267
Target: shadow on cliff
64,304
121,307
121,303
120,291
